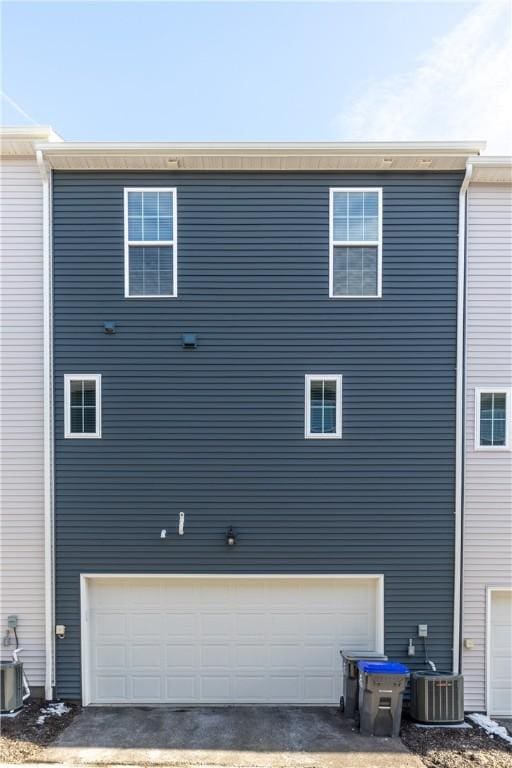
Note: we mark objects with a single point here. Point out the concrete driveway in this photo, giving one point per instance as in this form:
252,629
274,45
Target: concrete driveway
231,737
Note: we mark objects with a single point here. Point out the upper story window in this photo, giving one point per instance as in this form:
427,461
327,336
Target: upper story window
82,405
323,406
151,258
492,414
355,263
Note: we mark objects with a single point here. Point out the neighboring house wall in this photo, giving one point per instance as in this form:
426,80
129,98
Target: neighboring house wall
22,523
218,432
487,492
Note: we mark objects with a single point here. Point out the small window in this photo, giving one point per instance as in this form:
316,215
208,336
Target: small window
323,406
82,404
150,243
492,414
355,268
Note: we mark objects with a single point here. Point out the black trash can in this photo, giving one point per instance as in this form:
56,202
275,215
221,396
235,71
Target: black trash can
349,700
381,690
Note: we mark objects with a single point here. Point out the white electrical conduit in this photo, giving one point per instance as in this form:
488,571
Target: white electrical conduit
47,419
459,418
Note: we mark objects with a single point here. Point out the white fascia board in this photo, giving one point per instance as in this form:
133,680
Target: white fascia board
491,169
420,148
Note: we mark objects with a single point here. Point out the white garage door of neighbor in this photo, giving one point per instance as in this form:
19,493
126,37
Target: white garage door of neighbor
224,640
500,662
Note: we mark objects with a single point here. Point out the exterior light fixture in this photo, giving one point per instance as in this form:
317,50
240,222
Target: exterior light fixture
230,537
109,327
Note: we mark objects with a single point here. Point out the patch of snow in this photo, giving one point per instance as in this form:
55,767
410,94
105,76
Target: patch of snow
490,726
57,709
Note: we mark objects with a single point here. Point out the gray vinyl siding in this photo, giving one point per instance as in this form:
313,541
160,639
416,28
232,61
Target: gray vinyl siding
219,432
488,484
21,452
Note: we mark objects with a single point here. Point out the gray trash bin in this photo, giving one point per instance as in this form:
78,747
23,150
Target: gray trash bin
349,699
381,690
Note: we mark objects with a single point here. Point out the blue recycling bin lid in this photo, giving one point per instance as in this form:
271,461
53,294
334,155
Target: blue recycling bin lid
383,667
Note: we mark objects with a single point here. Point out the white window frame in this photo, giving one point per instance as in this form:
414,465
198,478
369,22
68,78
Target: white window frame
68,378
338,378
148,243
507,391
355,243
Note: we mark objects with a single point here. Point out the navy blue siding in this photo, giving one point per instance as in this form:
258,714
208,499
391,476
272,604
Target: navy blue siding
219,432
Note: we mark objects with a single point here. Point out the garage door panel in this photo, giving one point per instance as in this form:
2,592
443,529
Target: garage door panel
109,657
145,624
181,656
500,641
146,688
255,641
111,688
111,626
216,656
215,689
285,624
318,689
217,625
286,688
145,656
250,625
182,625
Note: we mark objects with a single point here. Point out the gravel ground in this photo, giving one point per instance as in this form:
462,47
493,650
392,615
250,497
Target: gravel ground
22,740
456,748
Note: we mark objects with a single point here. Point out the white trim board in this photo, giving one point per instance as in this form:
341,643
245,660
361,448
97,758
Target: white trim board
86,578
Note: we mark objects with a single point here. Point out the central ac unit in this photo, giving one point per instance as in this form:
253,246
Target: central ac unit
437,697
11,686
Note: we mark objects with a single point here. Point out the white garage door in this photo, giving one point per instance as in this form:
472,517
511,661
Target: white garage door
224,640
500,673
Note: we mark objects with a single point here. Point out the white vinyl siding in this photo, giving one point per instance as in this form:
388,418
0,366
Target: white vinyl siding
488,473
22,522
150,237
355,242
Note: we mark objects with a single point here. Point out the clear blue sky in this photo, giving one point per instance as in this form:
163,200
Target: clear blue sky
210,71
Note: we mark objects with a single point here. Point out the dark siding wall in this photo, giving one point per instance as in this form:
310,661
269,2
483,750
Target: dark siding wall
218,432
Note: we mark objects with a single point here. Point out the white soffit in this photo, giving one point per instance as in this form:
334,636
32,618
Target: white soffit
491,170
19,141
360,156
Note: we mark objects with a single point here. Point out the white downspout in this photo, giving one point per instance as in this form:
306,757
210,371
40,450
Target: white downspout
459,418
48,420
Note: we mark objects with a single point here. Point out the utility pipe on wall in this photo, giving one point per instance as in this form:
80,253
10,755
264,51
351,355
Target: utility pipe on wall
47,421
459,418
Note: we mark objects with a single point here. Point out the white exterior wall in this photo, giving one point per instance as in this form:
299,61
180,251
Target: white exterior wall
488,474
21,451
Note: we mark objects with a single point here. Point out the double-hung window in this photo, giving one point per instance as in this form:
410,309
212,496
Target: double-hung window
492,418
323,406
355,260
150,247
82,405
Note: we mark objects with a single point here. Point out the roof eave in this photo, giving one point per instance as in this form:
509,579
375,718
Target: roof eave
260,156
